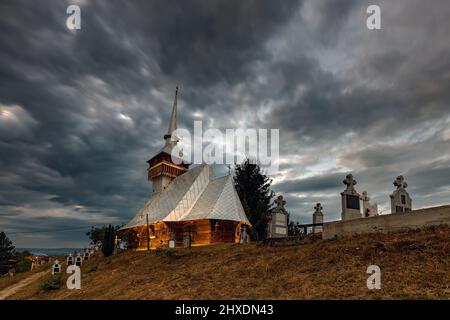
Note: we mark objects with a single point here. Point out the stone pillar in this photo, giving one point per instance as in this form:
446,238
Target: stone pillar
318,218
350,200
400,199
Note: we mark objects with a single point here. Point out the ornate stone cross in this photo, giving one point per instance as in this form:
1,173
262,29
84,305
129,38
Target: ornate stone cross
280,202
349,181
400,182
318,208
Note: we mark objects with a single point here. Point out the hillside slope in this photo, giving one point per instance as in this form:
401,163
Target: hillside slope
414,265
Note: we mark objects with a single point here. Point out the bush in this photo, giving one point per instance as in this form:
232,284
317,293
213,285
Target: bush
23,265
52,282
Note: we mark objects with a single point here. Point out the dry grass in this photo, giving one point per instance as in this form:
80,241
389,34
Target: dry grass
414,265
7,281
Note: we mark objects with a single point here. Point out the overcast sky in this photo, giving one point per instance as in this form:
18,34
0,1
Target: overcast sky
81,111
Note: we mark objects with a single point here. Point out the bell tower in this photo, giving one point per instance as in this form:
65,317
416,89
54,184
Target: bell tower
161,169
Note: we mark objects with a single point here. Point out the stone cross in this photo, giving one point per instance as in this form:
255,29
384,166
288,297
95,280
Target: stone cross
400,182
349,181
350,199
318,208
400,200
277,226
364,196
280,203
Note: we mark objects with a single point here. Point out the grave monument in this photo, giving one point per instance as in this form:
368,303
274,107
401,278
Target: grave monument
277,226
369,209
318,218
400,199
350,200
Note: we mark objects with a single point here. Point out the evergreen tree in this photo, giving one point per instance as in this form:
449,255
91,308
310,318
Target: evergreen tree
253,188
97,234
108,241
7,253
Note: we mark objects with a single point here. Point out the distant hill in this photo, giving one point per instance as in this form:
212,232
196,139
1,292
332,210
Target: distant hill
414,265
49,251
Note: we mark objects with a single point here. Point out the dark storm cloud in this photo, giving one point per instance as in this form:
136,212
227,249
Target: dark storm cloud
82,111
204,42
78,156
316,183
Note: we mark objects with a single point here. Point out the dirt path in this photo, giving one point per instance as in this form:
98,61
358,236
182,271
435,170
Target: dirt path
9,291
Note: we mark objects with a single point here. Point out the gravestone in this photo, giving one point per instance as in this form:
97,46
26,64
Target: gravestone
277,226
186,241
172,240
244,238
350,200
86,254
318,218
78,260
400,199
369,209
56,268
69,260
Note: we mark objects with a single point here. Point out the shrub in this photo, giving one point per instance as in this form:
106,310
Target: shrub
23,265
52,282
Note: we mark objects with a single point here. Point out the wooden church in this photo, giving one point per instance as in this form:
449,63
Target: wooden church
187,207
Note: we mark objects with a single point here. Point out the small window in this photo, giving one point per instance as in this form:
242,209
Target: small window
403,199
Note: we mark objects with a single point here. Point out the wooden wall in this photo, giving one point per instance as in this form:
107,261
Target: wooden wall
201,232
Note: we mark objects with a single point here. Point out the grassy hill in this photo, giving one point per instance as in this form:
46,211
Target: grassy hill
414,265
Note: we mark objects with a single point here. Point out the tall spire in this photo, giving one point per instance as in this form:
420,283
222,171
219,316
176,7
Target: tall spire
173,120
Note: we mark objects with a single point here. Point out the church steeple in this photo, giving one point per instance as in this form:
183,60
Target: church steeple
161,169
173,121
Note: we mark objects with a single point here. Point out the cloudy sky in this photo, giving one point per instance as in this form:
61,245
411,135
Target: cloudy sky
81,111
